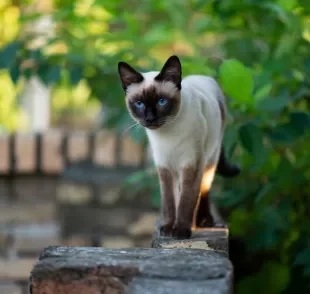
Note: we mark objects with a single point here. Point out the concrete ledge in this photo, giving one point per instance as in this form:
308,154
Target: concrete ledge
85,270
207,239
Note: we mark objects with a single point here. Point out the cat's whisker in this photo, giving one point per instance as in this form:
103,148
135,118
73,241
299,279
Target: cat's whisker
128,129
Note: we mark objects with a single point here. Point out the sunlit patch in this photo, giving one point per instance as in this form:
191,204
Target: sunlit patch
207,179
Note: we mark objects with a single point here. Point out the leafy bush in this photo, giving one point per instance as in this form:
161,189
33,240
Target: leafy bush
259,52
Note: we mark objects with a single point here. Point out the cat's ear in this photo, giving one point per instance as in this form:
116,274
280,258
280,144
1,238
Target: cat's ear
128,75
171,71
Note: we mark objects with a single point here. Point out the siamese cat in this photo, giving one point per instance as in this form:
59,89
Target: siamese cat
184,120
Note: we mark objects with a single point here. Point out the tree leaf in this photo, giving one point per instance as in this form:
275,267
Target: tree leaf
300,121
274,104
252,140
14,73
262,92
236,81
8,54
303,257
265,194
49,74
75,74
288,4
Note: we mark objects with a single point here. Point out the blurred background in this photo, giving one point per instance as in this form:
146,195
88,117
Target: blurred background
74,171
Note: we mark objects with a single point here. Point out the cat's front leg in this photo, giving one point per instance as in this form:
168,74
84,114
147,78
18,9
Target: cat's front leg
189,179
168,204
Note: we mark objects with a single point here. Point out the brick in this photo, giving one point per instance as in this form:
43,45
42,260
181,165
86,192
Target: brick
73,193
52,156
131,152
4,154
35,189
25,152
21,213
105,147
77,146
76,270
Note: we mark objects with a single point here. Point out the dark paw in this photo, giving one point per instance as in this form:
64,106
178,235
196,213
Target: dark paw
181,233
165,230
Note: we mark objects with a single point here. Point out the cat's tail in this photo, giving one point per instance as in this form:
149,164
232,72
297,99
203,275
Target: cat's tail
226,168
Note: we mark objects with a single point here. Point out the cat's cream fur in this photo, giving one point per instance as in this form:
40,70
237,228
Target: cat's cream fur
194,135
186,145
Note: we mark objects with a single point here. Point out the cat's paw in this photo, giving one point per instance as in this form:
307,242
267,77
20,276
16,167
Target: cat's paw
179,232
165,230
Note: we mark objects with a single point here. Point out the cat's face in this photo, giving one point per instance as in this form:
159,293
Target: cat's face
152,99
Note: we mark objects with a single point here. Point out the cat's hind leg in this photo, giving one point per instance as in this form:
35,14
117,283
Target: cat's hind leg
203,216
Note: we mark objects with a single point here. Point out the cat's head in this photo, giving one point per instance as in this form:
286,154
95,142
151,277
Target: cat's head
153,98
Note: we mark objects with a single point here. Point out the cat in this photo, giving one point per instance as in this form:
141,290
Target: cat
184,119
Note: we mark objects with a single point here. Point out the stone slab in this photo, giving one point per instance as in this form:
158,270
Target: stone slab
207,239
132,271
159,286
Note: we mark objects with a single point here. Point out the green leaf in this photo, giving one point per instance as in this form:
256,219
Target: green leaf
289,132
236,81
230,139
274,104
288,4
265,194
300,121
49,75
262,92
285,173
303,257
239,222
8,55
75,74
275,276
252,140
14,73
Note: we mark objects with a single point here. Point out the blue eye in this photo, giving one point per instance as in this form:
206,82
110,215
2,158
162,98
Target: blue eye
162,102
139,104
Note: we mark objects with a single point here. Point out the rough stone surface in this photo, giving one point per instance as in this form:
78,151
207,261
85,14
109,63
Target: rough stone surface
208,239
132,271
159,286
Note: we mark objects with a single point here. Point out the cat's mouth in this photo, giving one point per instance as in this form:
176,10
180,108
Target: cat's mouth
152,125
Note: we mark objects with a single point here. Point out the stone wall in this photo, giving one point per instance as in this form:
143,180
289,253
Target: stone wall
40,206
196,266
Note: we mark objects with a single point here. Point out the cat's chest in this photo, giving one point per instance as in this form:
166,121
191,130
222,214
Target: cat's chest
173,151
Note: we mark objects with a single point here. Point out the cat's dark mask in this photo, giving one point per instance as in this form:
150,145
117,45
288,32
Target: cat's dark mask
152,99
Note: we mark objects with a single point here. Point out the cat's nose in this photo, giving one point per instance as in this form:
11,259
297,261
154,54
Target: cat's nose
150,118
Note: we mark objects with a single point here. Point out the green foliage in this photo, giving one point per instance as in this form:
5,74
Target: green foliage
258,50
237,81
